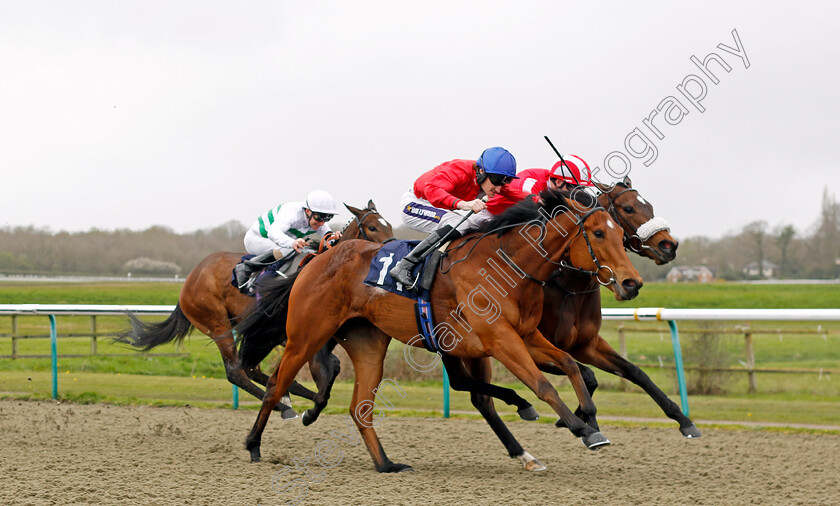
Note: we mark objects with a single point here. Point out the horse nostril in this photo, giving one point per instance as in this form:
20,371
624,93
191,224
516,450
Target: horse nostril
666,246
630,285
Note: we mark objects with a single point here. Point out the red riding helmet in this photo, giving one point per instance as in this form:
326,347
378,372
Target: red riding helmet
574,171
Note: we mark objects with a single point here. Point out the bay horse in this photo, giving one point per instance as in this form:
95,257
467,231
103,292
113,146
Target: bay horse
571,321
211,304
329,298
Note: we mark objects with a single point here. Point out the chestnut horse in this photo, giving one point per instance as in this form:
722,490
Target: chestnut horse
475,321
211,304
571,321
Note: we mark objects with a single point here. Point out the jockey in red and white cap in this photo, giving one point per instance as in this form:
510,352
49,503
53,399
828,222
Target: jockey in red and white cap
572,172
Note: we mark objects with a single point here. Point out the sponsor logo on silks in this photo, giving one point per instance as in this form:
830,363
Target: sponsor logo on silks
424,212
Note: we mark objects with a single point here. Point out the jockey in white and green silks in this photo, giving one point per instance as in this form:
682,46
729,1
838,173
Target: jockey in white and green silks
286,227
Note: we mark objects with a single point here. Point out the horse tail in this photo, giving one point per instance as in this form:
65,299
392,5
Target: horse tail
265,326
146,336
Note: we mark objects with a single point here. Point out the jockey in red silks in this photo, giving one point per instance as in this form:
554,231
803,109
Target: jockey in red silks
565,175
430,205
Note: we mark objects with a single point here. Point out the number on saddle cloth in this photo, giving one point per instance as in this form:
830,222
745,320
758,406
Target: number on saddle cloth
378,276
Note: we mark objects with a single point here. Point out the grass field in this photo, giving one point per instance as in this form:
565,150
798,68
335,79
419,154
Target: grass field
196,376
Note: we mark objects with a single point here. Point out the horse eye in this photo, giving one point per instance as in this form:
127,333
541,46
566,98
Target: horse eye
371,228
599,234
629,210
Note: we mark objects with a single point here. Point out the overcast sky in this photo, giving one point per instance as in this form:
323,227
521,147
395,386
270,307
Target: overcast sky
188,114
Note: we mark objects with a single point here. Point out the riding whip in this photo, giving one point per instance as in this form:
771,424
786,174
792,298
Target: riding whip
561,158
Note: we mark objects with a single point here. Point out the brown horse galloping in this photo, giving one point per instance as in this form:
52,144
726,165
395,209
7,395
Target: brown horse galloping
571,321
481,316
211,304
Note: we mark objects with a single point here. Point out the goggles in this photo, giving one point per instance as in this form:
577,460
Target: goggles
322,216
499,179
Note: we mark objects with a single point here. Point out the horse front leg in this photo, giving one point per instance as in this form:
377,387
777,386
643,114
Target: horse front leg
297,353
553,360
509,349
603,356
324,367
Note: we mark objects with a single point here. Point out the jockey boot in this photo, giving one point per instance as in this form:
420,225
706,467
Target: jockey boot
402,271
247,268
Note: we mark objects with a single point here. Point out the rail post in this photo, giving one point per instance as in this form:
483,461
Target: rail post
445,393
54,356
675,343
748,343
14,336
623,383
93,334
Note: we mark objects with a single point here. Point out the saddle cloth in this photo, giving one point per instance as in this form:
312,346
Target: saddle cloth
286,266
384,260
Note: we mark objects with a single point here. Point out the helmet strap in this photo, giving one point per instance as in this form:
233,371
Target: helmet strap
480,174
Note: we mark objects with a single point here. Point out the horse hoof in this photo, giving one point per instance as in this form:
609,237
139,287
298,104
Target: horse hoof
530,463
308,418
255,454
288,414
529,413
396,468
595,441
690,432
560,423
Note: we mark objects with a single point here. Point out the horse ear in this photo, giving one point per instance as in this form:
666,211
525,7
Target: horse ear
604,188
371,205
627,182
353,210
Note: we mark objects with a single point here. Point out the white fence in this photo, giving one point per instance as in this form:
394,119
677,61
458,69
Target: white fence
638,314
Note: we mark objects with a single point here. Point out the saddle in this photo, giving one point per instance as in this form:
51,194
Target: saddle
286,266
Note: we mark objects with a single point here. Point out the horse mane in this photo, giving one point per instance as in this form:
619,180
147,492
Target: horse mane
527,210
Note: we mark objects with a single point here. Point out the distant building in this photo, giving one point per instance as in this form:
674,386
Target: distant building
691,274
769,269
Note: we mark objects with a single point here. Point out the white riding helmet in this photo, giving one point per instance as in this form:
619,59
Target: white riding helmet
319,201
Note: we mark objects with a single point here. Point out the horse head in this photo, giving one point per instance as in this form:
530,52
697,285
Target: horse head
644,233
368,224
596,248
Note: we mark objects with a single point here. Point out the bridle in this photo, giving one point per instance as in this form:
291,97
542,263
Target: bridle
598,267
562,264
628,237
361,228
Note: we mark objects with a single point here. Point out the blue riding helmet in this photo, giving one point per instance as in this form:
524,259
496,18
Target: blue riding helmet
497,161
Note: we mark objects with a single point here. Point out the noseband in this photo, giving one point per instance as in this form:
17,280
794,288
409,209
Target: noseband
598,267
651,226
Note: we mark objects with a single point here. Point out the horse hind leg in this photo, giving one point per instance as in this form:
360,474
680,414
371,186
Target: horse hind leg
238,376
368,354
480,370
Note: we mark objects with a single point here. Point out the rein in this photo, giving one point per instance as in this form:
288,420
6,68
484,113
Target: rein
562,263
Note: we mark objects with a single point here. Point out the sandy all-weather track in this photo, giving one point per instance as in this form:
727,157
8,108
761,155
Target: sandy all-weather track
98,454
